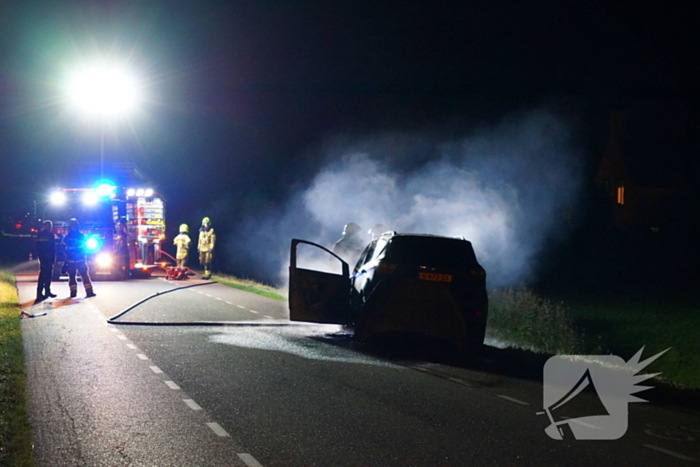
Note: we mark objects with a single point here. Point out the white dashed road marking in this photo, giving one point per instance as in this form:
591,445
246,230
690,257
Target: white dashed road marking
513,400
670,453
142,356
249,460
218,299
229,302
269,317
132,346
122,337
114,329
216,428
172,385
192,404
253,311
241,307
156,370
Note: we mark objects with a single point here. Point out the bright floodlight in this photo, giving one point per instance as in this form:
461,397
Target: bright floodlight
104,90
90,198
58,198
148,193
104,260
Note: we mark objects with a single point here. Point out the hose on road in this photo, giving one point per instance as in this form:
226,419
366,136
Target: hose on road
113,319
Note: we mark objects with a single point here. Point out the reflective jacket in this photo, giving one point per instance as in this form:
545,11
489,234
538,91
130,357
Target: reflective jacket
182,242
207,239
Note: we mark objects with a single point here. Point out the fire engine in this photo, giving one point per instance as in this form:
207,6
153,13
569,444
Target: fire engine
124,226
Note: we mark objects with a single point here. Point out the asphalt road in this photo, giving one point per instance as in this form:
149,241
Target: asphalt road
263,391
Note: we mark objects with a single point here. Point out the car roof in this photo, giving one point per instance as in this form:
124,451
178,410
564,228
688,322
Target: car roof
388,235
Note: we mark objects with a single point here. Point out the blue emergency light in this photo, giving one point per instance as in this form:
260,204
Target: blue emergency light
105,189
93,244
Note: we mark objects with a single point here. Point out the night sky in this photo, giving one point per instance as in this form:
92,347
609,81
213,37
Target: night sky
263,114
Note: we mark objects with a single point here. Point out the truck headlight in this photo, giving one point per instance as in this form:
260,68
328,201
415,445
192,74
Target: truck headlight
104,260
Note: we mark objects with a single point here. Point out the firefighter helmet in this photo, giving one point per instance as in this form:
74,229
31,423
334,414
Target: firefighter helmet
73,222
206,220
184,228
351,229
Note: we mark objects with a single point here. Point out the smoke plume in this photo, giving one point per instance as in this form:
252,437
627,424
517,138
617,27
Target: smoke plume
506,189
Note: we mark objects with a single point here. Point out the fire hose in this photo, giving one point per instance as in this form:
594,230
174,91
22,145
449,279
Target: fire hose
113,319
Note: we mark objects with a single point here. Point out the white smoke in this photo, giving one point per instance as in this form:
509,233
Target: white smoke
504,190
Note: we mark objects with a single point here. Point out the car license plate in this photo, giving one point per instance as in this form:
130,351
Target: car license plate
433,276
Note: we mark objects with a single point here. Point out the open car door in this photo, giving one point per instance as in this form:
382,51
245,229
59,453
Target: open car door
317,296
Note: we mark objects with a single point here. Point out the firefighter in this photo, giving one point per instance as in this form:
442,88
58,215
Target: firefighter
46,252
205,245
376,231
76,262
182,242
350,244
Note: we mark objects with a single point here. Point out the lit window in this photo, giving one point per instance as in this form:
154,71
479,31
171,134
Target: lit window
621,194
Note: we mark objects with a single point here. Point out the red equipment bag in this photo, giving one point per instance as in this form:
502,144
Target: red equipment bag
178,274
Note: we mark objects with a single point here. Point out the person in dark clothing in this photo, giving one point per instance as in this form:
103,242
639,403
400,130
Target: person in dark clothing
46,252
350,244
76,262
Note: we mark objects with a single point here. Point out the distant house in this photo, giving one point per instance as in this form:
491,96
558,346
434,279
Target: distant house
640,191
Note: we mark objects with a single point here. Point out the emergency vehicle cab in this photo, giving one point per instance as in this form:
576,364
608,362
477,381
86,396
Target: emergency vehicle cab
114,252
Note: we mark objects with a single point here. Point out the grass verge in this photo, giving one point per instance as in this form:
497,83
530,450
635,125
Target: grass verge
613,325
251,286
15,431
518,316
622,325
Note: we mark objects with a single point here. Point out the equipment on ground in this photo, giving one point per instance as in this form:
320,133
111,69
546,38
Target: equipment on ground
178,274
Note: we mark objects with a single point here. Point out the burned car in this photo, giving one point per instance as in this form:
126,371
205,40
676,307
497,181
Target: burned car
402,284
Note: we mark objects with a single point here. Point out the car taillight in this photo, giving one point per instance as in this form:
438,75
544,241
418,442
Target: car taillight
386,268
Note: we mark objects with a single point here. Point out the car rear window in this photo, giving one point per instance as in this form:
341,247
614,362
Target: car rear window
431,251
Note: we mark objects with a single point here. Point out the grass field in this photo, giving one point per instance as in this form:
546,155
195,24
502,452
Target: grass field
15,432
